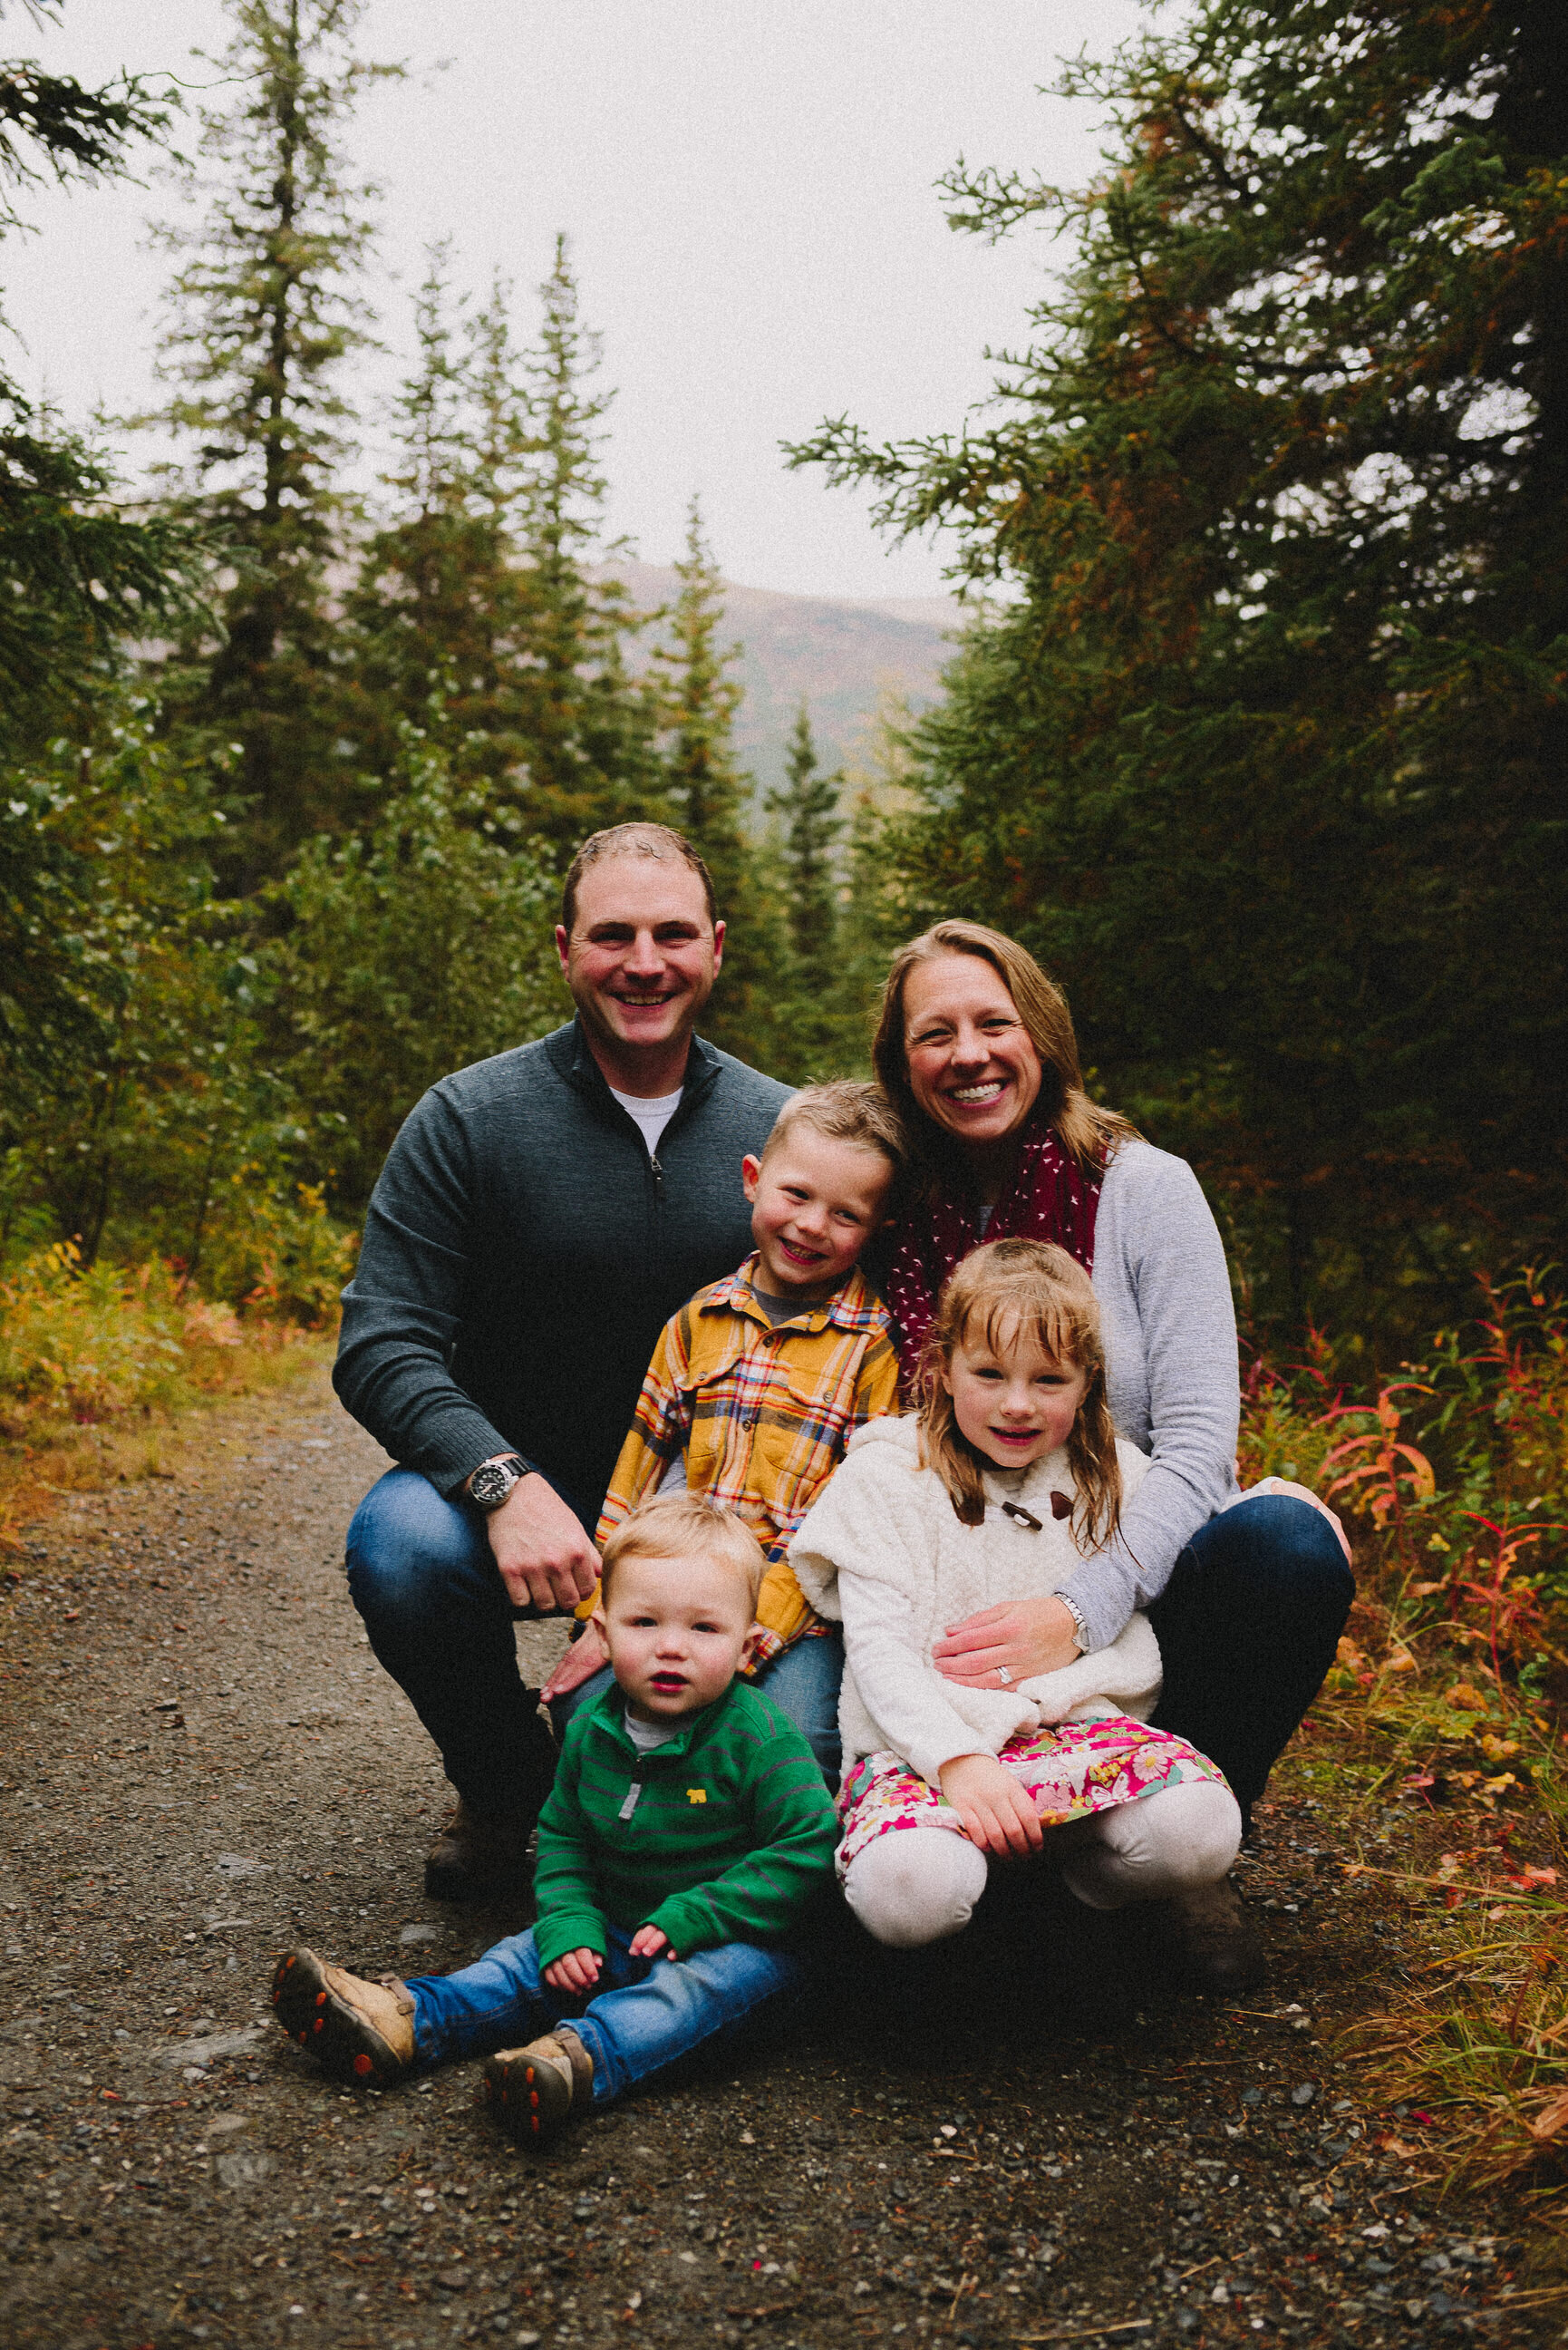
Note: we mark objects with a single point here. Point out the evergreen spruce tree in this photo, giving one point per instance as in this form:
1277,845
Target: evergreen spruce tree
700,699
709,791
262,313
877,910
440,618
77,574
1267,752
808,805
589,728
810,828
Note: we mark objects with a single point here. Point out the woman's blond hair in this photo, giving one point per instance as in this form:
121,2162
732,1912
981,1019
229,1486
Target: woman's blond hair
1033,1291
1089,1134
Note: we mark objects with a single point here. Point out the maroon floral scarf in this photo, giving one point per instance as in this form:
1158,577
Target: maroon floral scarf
1048,1200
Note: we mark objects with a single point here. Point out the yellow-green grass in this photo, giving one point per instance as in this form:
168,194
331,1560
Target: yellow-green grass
98,1365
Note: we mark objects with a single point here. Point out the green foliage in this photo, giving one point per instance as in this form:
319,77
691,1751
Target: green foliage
85,1345
590,758
803,854
1266,756
437,620
807,806
262,315
131,1073
276,1252
410,949
76,573
709,795
84,1342
478,608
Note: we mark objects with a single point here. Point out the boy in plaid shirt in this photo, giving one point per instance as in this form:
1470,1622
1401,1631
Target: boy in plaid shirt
758,1383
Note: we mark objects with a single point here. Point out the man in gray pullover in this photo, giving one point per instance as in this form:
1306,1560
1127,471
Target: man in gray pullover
539,1218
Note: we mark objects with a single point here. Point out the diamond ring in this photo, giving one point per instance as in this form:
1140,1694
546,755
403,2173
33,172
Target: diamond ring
1004,1675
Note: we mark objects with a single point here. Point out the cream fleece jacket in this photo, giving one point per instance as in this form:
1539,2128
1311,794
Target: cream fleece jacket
883,1550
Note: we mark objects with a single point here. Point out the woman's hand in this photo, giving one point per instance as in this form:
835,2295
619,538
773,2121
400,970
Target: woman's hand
1005,1644
651,1942
995,1809
578,1971
585,1658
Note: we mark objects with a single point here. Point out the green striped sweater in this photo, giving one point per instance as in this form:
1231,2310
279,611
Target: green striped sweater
731,1832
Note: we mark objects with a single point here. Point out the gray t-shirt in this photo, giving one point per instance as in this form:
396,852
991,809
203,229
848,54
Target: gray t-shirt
781,1309
646,1735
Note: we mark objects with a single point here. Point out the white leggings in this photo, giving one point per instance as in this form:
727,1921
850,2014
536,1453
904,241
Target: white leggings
919,1884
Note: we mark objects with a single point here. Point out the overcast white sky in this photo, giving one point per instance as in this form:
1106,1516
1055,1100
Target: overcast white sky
748,186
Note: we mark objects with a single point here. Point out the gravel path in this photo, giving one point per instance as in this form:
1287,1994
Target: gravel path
202,1763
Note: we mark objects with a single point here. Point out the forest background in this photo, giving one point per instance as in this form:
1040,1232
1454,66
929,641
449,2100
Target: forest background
1256,733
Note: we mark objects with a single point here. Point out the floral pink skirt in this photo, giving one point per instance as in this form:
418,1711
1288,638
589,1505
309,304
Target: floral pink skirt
1077,1768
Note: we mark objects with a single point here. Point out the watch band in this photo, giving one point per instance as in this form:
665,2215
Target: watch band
512,1463
1076,1613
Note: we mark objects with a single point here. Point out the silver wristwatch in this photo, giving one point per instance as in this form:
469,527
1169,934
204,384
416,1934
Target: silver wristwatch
493,1480
1076,1613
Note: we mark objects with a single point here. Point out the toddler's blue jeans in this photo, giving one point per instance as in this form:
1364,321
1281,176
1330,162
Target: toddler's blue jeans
649,2012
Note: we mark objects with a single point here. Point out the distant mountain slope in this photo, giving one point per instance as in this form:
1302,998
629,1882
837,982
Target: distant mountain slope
841,656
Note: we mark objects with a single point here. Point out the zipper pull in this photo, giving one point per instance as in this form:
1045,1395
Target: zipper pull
658,1172
632,1793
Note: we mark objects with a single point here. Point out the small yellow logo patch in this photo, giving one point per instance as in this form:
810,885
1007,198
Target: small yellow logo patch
696,1794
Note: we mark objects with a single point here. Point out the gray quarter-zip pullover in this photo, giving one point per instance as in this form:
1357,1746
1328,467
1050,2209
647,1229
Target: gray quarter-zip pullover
523,1253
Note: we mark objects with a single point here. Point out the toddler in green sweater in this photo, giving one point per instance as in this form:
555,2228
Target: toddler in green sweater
687,1831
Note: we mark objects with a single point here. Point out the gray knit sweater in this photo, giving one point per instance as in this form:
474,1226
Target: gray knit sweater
1171,1373
523,1253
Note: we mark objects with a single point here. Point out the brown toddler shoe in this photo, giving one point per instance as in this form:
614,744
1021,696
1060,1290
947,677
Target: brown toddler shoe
359,2032
533,2092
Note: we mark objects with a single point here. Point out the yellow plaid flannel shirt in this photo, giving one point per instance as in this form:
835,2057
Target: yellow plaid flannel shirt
762,1414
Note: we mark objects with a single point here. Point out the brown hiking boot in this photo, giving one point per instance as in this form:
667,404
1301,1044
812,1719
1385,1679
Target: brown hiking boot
473,1855
533,2092
1217,1942
359,2032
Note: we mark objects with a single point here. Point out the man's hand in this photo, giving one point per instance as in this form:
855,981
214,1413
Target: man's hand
579,1971
995,1809
545,1559
1025,1636
651,1942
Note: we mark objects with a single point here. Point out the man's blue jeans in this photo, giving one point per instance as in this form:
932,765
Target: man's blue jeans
422,1575
649,2012
424,1579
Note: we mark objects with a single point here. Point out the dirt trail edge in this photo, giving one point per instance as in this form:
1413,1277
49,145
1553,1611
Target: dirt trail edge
1030,2140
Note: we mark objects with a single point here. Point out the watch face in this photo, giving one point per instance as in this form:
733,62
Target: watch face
490,1485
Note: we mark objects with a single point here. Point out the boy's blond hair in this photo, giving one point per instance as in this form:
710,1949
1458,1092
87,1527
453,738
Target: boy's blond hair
676,1526
844,1110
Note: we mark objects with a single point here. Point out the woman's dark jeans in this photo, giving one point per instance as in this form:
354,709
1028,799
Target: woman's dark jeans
1247,1626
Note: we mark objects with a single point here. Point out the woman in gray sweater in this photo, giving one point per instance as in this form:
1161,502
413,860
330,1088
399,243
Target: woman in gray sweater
1248,1596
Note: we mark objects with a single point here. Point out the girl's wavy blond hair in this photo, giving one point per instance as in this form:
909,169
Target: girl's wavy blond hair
1090,1134
1008,1291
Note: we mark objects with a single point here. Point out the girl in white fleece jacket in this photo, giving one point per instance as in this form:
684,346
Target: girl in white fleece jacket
1007,1480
